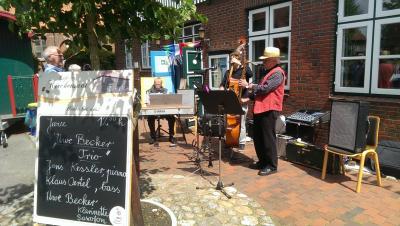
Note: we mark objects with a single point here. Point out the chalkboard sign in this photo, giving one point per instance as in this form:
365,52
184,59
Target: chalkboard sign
82,169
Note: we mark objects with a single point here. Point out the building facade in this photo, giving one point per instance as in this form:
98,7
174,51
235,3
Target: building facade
332,49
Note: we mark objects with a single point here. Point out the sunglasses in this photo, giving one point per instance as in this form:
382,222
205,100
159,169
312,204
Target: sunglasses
55,54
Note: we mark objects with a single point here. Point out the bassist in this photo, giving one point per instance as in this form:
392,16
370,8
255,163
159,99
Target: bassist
233,75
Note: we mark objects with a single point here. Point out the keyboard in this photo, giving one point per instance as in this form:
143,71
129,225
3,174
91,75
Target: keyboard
158,110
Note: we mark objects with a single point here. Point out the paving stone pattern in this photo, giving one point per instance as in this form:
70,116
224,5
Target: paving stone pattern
195,201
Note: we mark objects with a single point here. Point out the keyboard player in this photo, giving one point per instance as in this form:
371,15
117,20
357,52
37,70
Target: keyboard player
157,88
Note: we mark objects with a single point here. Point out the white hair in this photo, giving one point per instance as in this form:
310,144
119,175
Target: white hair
48,51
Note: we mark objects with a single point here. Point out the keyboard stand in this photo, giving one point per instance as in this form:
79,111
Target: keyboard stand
158,130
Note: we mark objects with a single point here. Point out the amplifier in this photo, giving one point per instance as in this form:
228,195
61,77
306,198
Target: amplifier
311,156
309,117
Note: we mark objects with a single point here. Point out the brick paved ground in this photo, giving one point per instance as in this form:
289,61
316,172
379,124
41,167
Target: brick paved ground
294,196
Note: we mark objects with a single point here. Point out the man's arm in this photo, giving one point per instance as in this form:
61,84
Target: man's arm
270,85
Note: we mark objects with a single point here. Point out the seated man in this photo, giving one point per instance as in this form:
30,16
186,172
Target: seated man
158,88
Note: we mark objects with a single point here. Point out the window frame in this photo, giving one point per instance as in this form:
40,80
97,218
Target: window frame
128,56
381,13
280,35
219,56
41,46
269,34
146,54
193,37
271,19
342,18
339,58
257,38
377,56
250,19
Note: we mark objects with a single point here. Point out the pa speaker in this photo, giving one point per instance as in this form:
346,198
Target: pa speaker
349,125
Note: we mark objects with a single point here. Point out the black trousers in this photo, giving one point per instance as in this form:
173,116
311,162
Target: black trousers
264,137
151,122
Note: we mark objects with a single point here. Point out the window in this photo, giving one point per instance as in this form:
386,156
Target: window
146,61
355,10
387,7
280,17
386,60
271,26
216,76
39,45
351,57
190,33
258,21
128,55
371,41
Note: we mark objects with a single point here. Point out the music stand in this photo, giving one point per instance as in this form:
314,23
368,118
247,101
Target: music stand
220,102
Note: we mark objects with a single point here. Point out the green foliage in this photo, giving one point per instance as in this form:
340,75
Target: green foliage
351,8
393,4
107,59
113,20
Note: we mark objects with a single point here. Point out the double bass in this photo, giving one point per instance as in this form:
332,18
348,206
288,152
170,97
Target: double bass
233,122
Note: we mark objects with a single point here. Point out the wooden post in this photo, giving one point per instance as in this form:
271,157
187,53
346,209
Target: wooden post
136,209
35,85
136,149
12,96
136,216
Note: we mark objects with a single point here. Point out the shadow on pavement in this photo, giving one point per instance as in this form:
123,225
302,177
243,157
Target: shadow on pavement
13,192
16,126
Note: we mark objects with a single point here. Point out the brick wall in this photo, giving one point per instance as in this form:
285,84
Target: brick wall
312,58
313,46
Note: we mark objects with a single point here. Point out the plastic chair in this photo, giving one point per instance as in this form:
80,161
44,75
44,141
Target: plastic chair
369,151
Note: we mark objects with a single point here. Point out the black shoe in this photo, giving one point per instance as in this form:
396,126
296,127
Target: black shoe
152,141
266,171
256,165
172,142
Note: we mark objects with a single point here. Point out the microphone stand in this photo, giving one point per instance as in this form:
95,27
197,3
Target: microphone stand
220,184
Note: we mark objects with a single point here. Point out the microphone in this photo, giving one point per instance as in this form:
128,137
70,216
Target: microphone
254,63
205,70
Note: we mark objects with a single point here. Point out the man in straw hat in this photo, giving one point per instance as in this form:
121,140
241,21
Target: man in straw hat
268,96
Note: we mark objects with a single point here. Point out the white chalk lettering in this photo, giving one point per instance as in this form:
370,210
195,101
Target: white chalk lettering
82,140
98,212
105,121
79,183
75,167
109,188
54,166
113,172
63,140
53,180
57,124
70,199
85,155
53,198
93,219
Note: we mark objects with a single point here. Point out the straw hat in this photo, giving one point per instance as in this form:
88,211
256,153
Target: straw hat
270,52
